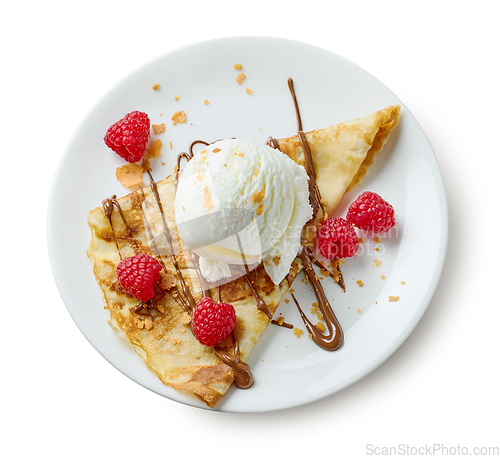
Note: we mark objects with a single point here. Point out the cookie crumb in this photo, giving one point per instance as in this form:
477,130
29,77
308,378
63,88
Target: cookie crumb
155,149
176,97
206,102
178,117
185,318
393,298
240,78
298,332
287,300
151,153
156,86
167,281
216,150
249,91
129,175
321,327
158,128
359,310
382,277
175,341
377,240
360,283
403,282
238,66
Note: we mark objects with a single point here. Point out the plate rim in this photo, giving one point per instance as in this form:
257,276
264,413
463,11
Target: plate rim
396,344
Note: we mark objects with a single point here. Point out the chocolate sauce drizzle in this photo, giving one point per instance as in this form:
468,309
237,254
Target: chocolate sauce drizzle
334,339
243,377
107,205
283,324
339,278
314,194
168,236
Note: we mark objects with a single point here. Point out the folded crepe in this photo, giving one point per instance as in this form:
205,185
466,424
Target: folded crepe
341,155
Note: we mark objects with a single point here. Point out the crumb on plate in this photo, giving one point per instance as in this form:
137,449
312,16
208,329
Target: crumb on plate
129,175
178,117
158,128
240,77
298,332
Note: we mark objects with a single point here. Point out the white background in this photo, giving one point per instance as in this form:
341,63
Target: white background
60,398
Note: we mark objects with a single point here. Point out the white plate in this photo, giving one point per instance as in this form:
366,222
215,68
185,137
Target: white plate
289,371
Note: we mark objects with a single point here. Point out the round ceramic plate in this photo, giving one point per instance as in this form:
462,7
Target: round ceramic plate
289,371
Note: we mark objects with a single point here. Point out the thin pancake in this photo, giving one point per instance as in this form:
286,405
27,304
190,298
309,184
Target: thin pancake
341,155
166,345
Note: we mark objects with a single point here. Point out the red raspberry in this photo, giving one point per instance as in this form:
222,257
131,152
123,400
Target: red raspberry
129,137
337,238
212,322
372,213
138,275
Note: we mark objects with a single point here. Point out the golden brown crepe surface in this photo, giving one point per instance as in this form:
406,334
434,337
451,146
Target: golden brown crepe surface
168,346
341,156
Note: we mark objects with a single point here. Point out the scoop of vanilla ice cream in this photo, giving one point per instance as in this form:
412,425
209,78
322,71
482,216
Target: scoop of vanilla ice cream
242,197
